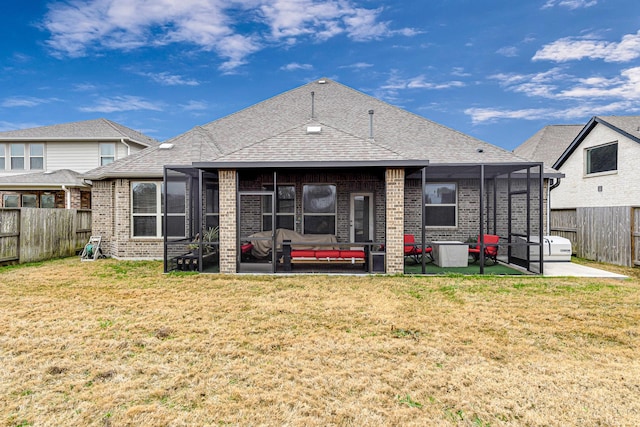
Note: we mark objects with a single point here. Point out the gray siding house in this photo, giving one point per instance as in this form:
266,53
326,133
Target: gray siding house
320,160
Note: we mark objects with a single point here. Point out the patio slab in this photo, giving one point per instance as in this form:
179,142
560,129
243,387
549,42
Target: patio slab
570,269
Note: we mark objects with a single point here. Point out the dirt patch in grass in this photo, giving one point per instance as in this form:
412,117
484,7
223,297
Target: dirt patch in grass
119,343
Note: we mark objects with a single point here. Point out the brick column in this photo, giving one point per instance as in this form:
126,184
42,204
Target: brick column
395,221
228,221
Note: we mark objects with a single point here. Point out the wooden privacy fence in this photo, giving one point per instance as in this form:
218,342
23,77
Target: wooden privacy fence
605,234
33,234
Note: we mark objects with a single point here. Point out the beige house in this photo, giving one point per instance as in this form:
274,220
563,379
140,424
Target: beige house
42,167
347,173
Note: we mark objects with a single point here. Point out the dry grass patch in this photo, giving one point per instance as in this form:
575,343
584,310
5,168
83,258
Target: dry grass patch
114,343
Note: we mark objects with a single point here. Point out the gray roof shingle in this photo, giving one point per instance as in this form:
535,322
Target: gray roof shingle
548,144
98,129
275,130
57,178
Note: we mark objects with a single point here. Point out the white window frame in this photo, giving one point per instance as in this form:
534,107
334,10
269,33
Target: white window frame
455,205
158,210
3,159
335,212
587,157
12,156
35,156
104,157
158,214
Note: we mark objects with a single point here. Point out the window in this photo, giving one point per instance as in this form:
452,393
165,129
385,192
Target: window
29,201
2,156
17,156
319,209
285,208
441,202
48,201
147,206
602,159
11,200
212,195
36,156
107,153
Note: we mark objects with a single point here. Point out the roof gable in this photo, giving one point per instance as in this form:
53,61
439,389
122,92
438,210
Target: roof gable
628,126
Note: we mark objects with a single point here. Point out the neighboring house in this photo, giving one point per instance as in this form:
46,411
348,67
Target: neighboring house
321,159
593,205
548,144
41,167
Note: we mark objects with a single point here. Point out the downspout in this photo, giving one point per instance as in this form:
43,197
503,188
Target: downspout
67,197
555,184
126,145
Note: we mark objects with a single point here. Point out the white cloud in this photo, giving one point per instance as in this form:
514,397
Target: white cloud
120,103
570,4
25,101
396,83
491,115
295,66
508,51
195,106
590,47
80,28
6,126
168,79
357,65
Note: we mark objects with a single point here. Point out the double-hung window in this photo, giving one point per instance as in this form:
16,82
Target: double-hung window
441,203
147,208
285,208
319,203
107,153
36,156
603,158
17,156
2,157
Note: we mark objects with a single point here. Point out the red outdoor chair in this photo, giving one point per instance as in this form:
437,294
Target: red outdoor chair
415,251
490,252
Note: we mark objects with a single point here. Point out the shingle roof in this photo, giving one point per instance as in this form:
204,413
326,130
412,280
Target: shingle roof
548,144
275,130
627,124
58,178
98,129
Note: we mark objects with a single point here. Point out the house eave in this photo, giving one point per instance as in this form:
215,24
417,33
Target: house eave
344,164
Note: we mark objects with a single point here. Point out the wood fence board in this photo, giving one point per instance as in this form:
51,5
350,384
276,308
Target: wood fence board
34,234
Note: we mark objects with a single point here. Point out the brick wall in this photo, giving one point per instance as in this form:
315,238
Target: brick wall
228,221
395,208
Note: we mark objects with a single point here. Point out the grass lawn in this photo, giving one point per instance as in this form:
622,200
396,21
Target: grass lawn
111,343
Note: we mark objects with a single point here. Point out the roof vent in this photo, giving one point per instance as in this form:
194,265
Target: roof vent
322,82
314,130
165,146
480,150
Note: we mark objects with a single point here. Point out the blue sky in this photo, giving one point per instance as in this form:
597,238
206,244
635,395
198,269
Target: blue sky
498,70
